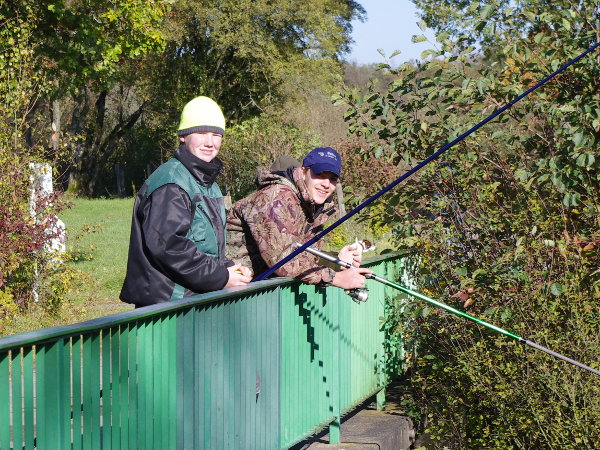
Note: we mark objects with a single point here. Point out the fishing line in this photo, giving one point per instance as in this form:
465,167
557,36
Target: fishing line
419,166
455,311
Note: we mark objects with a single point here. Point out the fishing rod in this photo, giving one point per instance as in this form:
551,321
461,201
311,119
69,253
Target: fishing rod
419,166
452,310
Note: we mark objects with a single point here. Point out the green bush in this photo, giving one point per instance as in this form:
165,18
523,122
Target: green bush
506,226
26,268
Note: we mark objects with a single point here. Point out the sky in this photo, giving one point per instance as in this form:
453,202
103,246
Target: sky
390,25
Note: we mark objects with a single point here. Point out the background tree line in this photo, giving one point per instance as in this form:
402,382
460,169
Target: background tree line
506,224
87,85
113,76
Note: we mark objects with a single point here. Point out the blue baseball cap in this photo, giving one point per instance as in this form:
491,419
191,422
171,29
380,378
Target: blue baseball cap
323,159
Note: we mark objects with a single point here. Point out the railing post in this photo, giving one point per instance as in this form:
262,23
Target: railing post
334,427
380,396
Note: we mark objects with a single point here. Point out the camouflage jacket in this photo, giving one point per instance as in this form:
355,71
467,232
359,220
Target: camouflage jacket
264,226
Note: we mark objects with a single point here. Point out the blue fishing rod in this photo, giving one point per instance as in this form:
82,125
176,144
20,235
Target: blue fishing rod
419,166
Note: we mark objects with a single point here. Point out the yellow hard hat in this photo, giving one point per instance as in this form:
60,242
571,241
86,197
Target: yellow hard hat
201,114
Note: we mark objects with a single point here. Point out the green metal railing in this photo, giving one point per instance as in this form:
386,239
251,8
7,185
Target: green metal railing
262,367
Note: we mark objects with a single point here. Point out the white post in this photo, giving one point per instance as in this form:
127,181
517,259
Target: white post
40,188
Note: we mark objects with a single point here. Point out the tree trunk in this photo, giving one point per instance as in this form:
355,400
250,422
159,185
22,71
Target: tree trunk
340,198
55,135
75,129
107,147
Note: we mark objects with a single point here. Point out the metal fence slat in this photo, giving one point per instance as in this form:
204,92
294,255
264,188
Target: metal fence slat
77,387
115,389
28,405
17,399
5,400
128,376
106,403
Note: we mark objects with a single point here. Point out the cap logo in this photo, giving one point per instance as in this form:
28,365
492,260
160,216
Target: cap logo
328,155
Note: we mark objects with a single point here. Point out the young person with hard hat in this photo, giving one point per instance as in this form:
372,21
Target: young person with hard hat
291,207
177,244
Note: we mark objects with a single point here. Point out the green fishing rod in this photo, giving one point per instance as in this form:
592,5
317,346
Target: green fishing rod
452,310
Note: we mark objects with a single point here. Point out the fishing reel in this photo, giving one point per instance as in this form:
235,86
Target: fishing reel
359,295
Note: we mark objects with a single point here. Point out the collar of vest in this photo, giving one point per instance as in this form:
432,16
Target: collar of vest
204,172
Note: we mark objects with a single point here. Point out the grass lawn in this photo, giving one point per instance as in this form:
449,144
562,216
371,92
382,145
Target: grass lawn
98,240
97,245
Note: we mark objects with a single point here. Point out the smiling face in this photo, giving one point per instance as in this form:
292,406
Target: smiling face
319,185
204,145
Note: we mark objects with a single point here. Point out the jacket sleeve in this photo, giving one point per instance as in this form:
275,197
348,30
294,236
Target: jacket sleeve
277,224
166,219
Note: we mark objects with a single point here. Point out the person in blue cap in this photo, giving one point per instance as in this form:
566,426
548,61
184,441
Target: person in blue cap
291,206
177,243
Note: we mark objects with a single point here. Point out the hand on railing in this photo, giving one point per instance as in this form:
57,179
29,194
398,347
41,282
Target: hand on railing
238,276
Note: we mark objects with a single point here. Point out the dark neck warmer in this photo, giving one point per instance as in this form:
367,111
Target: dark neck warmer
204,172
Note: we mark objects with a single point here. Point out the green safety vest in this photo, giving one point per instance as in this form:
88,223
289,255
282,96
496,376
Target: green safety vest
202,232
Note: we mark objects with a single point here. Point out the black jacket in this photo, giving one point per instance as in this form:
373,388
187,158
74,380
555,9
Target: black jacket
177,243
